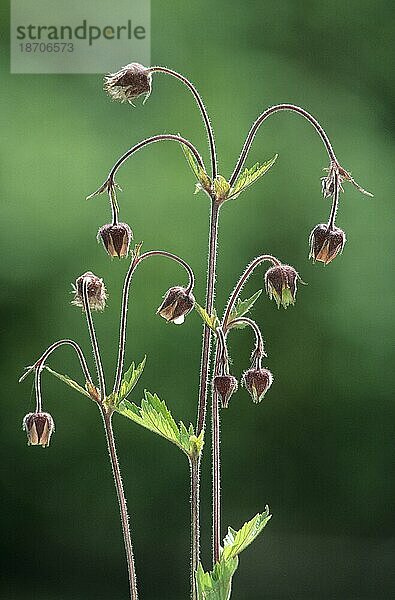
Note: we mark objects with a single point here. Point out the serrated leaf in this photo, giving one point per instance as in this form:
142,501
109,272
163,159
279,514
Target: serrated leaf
211,321
217,584
243,307
154,415
221,187
237,541
130,379
250,176
66,379
204,181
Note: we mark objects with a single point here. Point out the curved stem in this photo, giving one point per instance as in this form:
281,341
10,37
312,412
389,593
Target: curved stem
92,335
125,298
262,118
203,111
239,286
152,140
335,201
107,421
210,292
259,351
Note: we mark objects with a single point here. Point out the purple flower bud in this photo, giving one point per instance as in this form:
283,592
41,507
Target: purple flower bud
116,239
281,284
325,243
176,305
97,295
128,83
257,382
225,386
39,428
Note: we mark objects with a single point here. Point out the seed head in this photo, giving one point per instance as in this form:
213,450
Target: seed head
97,295
116,239
257,382
128,83
281,284
39,428
225,386
325,243
176,305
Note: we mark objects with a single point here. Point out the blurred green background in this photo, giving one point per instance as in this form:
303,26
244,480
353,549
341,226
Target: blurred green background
320,449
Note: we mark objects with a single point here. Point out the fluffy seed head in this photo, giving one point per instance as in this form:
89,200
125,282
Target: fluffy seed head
128,83
176,305
97,294
326,244
39,428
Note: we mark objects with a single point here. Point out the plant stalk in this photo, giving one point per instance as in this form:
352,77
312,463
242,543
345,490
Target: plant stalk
194,465
107,421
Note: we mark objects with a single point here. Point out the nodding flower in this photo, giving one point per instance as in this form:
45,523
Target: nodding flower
326,243
128,83
116,239
96,290
257,382
225,386
281,284
177,303
39,427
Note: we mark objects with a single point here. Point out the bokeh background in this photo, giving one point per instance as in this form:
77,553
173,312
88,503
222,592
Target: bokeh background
320,449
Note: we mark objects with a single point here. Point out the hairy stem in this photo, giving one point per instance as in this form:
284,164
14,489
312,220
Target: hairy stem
125,301
107,421
262,118
203,111
92,334
216,432
194,465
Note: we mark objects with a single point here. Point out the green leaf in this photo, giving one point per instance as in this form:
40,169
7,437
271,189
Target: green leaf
237,541
217,584
221,187
73,384
249,176
211,321
243,307
130,379
154,415
204,181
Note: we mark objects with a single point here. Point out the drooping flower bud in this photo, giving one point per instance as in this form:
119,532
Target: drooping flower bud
97,295
39,428
176,305
225,386
325,243
257,382
116,239
128,83
281,284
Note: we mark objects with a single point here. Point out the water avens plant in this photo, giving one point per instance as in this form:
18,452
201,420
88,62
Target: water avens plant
217,384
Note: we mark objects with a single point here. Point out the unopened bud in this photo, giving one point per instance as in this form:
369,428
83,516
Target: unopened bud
257,382
128,83
116,239
225,386
325,243
176,305
96,290
281,284
39,428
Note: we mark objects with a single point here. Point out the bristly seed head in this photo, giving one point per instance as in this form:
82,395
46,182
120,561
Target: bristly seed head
257,382
176,305
39,428
116,239
325,243
97,294
128,83
281,284
225,386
